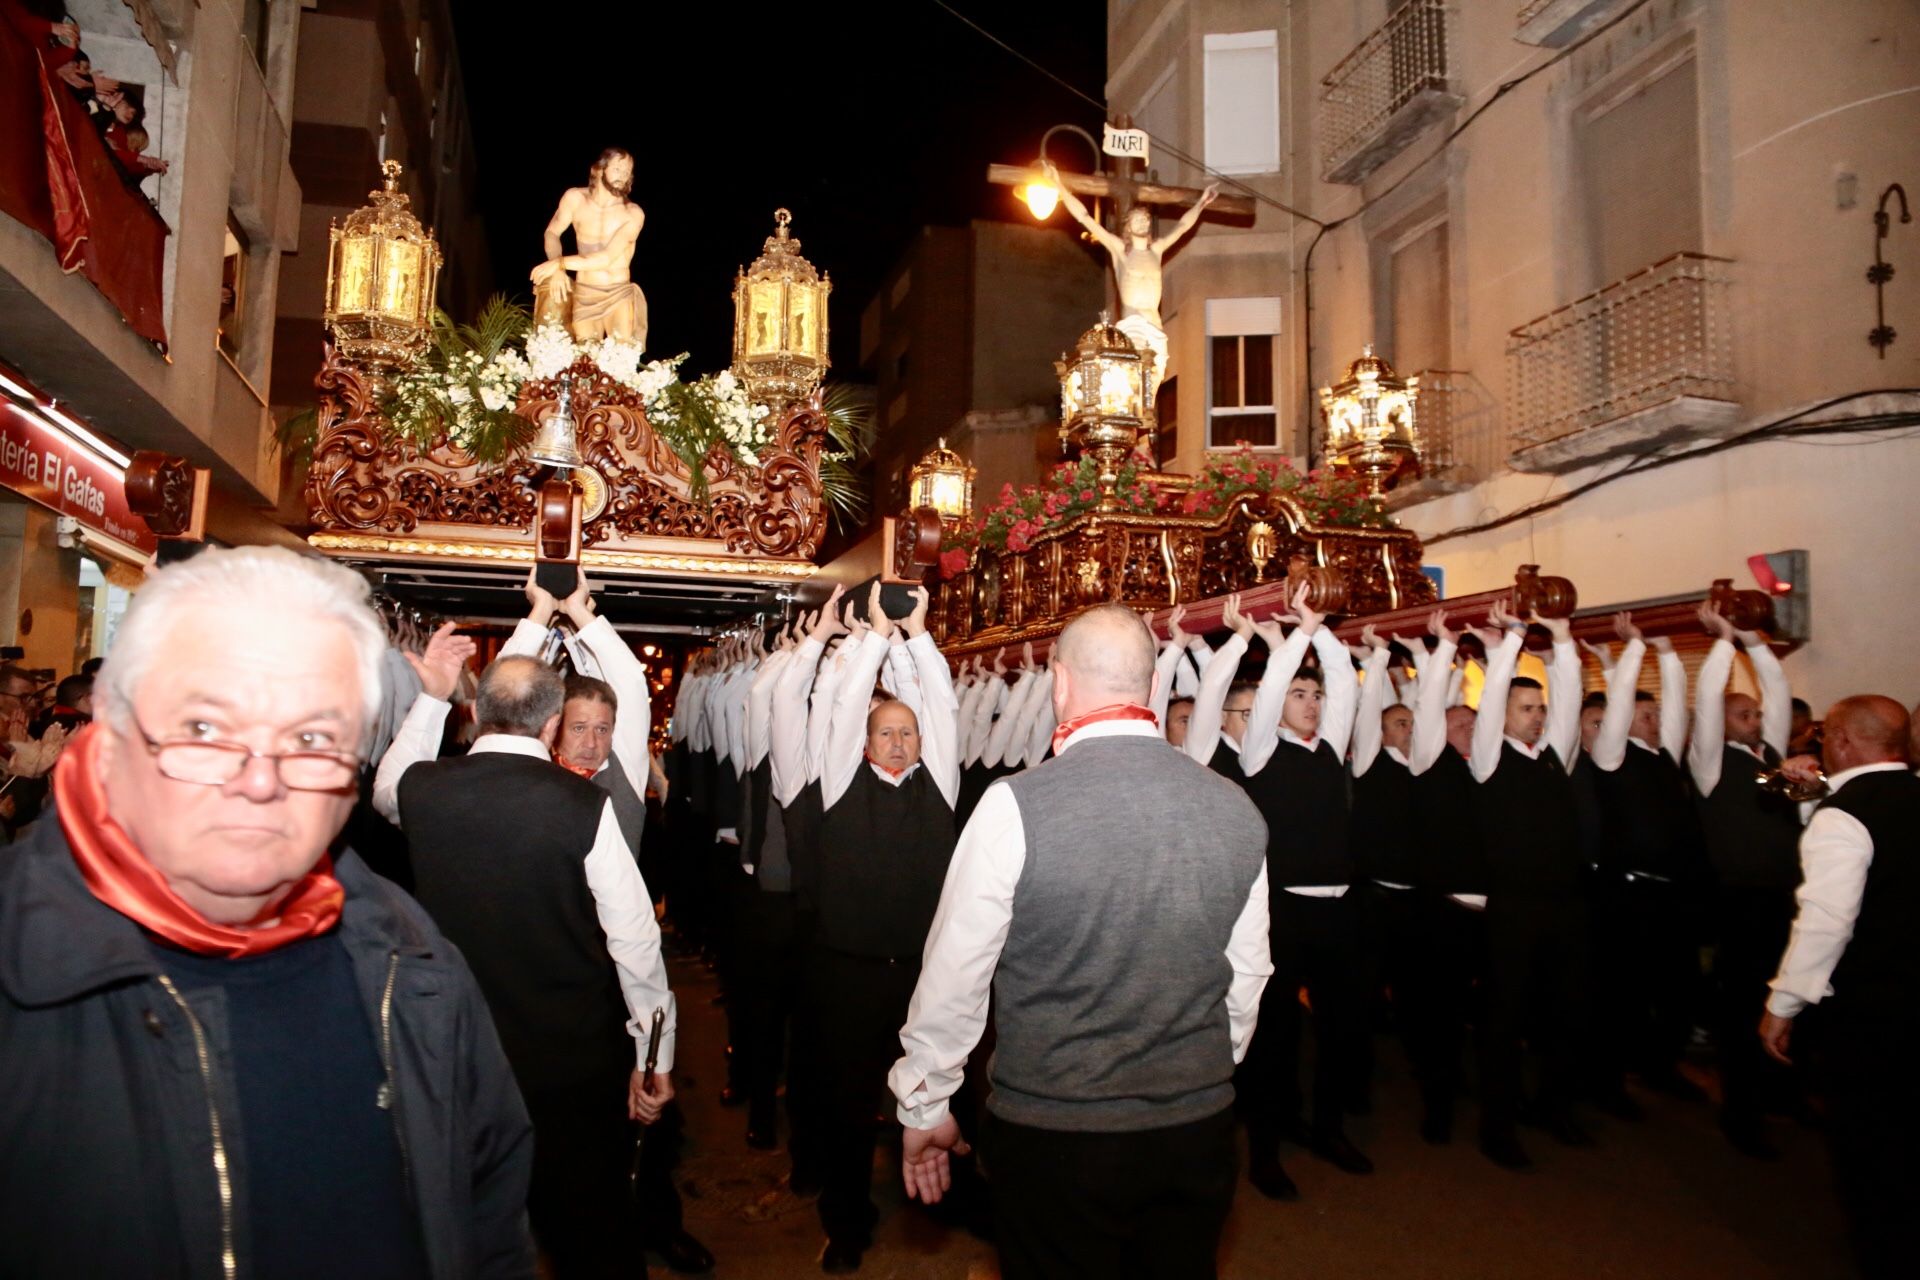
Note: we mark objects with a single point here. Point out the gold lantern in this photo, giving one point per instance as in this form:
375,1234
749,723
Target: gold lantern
942,480
1370,421
780,321
1103,399
381,270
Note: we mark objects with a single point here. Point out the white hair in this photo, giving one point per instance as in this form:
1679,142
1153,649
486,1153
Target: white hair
268,579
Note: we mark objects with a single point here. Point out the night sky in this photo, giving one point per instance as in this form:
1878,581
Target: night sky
867,120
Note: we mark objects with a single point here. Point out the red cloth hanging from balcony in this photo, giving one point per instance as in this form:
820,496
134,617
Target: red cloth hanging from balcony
57,178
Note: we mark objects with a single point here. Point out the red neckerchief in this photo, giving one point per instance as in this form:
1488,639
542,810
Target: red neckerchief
571,767
1118,711
887,769
119,874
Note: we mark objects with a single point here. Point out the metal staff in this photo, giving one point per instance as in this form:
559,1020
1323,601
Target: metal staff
646,1086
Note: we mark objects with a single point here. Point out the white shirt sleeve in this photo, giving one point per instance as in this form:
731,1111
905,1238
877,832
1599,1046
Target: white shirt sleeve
1623,679
1262,733
1164,668
1563,704
1201,652
1705,753
1249,957
1490,724
1342,690
939,715
1186,677
1673,703
416,740
1776,699
1012,721
625,909
969,691
949,1006
760,706
847,743
633,717
1203,731
739,689
1430,708
1835,852
1373,704
787,721
826,687
1040,719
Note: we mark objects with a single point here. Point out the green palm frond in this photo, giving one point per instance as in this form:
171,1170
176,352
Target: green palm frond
500,322
297,436
850,430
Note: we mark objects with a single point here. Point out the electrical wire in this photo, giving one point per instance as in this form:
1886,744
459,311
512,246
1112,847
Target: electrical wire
1791,427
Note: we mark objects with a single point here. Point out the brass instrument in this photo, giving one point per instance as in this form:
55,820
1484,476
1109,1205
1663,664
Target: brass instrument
1777,781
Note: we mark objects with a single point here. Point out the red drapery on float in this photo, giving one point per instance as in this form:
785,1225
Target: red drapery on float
57,178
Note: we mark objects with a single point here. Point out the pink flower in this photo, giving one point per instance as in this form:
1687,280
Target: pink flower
1086,495
1018,542
1192,502
953,563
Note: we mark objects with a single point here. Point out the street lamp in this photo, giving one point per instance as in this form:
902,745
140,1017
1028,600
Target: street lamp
1370,421
1041,196
381,270
942,480
1103,399
780,322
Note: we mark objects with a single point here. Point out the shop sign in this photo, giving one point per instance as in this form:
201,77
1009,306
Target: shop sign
40,462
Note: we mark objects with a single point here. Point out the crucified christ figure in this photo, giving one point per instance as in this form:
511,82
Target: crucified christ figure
1136,259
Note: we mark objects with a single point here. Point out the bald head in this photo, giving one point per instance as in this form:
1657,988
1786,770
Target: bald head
1865,729
520,696
1107,654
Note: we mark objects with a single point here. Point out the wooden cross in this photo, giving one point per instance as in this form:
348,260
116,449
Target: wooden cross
1125,190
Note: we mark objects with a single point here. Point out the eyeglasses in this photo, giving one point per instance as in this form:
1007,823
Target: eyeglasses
1237,711
210,763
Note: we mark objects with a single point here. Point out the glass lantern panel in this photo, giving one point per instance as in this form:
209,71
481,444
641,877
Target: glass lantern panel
764,314
1120,388
353,275
400,280
803,334
947,493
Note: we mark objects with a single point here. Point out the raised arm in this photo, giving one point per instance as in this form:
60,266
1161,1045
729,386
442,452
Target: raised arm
940,708
1283,663
787,725
633,696
418,737
1430,698
847,740
1623,677
1103,237
1040,719
1012,721
1342,688
1188,220
1166,665
1490,723
1563,692
820,707
1673,700
1203,731
1372,705
1776,699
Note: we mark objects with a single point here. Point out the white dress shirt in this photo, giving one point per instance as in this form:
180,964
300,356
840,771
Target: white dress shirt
1835,852
620,897
1705,755
1040,719
632,717
1562,730
938,720
1216,678
1368,733
1011,727
949,1007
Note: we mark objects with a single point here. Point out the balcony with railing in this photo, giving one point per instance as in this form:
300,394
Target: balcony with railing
1643,362
1558,23
1460,443
1385,93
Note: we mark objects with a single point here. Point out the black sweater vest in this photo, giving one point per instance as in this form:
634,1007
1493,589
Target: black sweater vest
1302,794
1879,973
1386,826
499,847
1650,823
1453,850
882,861
1752,836
1528,815
1226,763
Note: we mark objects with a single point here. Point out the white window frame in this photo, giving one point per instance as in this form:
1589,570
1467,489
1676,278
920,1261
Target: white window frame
1233,42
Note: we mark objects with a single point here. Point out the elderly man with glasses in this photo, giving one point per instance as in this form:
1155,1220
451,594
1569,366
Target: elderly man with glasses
226,1047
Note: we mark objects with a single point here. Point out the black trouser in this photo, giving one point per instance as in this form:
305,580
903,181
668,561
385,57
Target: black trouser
1396,961
852,1007
1647,937
767,962
589,1213
1751,927
1538,980
1873,1128
1316,945
1102,1205
1442,998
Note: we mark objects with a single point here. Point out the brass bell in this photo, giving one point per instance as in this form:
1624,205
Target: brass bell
557,443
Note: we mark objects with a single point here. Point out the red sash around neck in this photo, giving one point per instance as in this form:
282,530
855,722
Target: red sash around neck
1118,711
119,875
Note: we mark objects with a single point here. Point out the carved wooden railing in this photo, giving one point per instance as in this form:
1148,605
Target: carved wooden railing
368,480
1152,561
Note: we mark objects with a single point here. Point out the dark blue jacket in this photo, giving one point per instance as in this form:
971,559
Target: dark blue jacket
110,1086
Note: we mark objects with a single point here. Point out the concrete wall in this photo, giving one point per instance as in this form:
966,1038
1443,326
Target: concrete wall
1806,113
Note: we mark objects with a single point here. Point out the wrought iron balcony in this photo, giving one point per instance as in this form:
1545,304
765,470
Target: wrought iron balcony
1641,362
1558,23
1386,92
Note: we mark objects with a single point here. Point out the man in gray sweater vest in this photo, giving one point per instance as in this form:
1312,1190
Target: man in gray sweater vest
1115,898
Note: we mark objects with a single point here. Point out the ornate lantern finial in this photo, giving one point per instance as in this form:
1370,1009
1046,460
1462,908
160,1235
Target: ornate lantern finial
942,480
1370,421
1103,399
382,266
780,321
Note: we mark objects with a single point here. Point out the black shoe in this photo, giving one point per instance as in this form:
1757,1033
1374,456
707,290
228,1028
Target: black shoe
841,1257
1749,1138
1674,1085
1505,1150
1568,1134
1619,1106
683,1254
1436,1130
1338,1150
1271,1181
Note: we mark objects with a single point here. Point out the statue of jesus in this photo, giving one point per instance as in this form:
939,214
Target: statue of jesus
1136,264
599,300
